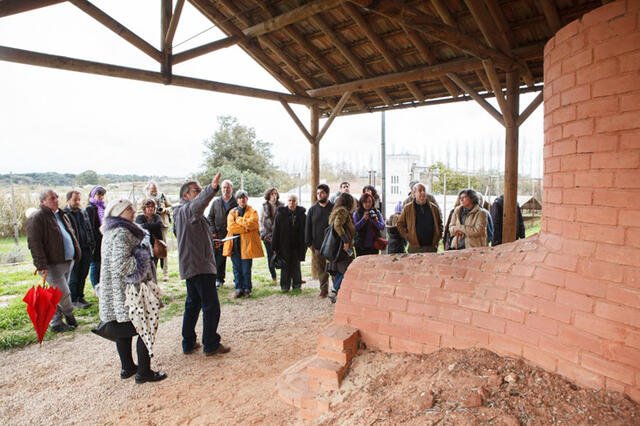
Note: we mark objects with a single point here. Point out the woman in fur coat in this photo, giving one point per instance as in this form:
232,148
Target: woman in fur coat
124,262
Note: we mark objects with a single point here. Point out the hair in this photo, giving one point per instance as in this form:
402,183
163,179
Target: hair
241,193
324,187
472,194
372,188
45,194
149,184
417,184
185,187
364,197
148,201
292,197
344,200
343,183
267,194
70,193
226,181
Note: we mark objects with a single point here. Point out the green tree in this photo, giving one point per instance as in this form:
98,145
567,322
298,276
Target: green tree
88,177
456,181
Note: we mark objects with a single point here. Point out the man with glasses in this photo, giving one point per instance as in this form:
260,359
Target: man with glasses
197,266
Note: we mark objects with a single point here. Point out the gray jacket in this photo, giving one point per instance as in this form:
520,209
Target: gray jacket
195,244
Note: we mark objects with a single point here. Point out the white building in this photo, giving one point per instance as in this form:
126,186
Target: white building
399,174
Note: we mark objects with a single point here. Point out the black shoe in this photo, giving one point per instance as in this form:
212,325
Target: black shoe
71,321
125,374
238,294
154,376
247,294
82,303
193,349
61,328
222,349
219,284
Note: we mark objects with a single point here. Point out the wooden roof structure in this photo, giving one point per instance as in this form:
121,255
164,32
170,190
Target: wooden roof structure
357,56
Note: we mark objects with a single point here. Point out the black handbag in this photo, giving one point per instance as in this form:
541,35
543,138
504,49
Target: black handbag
330,244
112,330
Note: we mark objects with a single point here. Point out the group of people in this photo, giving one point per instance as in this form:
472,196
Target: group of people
119,250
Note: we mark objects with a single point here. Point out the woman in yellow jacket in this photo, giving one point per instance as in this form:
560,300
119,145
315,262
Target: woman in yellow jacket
242,223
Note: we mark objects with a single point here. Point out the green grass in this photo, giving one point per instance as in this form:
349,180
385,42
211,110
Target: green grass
16,330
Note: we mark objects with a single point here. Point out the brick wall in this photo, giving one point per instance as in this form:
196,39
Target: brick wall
568,299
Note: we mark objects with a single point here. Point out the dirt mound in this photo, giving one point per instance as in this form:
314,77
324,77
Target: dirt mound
467,387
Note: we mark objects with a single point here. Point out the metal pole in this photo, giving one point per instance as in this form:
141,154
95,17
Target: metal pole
444,191
383,158
14,216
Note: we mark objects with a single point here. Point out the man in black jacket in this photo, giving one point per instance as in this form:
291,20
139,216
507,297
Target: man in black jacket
84,233
217,217
317,222
54,248
496,215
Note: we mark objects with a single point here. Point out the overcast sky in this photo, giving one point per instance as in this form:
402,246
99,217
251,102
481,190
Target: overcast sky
53,120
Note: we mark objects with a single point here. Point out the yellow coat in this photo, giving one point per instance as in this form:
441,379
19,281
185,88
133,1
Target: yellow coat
247,226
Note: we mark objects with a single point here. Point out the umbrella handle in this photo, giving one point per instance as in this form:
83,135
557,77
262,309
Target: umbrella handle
44,277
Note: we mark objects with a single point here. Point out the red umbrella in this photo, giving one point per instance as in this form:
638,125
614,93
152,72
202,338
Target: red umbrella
42,302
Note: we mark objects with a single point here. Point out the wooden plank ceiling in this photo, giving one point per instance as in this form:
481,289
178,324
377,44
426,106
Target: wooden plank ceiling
387,53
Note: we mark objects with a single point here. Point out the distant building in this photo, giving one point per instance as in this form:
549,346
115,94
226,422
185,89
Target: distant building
399,175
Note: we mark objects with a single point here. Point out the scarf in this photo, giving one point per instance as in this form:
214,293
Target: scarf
99,205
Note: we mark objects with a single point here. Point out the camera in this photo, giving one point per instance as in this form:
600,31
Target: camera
372,213
159,209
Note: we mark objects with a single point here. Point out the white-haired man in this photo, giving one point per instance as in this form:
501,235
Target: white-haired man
420,222
217,217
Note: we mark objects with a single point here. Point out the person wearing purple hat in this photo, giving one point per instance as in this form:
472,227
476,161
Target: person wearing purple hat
95,211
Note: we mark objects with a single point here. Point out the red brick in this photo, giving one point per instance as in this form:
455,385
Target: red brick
618,254
580,284
553,195
472,334
606,13
505,345
509,282
565,180
578,196
573,96
608,368
561,261
629,61
628,217
566,32
577,60
632,237
624,296
578,248
369,276
535,257
376,315
455,314
457,342
508,312
364,298
539,289
438,327
627,178
481,277
345,307
633,392
564,114
574,300
597,143
523,333
593,179
632,277
620,83
448,271
424,309
616,47
602,233
615,123
474,303
428,280
550,276
411,293
600,270
398,278
613,385
571,336
633,339
384,289
495,294
597,215
554,311
564,148
442,296
424,336
392,303
600,327
617,313
598,71
580,375
375,340
565,82
527,303
522,270
624,354
543,324
364,324
488,322
559,348
629,102
630,140
552,72
398,344
402,318
457,286
539,358
396,330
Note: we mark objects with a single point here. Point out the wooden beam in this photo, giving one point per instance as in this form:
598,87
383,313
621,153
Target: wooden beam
443,11
173,25
496,87
479,99
509,217
354,13
423,73
290,63
296,120
336,111
551,15
12,7
483,80
486,25
72,64
530,108
166,10
429,58
295,15
117,28
204,49
315,151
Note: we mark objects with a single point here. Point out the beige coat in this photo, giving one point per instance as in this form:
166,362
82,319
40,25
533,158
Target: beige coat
474,228
407,224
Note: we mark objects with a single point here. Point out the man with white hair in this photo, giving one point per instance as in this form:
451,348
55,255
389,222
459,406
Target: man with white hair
420,222
54,248
217,217
163,208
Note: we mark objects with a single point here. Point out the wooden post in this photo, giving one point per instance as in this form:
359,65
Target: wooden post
315,151
166,43
511,161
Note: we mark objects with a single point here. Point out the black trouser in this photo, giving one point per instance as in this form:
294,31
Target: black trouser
123,344
362,251
291,275
272,269
201,294
79,275
221,264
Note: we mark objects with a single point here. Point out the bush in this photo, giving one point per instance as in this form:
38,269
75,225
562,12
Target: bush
22,202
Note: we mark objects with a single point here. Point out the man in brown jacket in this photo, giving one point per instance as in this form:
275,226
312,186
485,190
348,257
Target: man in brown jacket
54,248
420,222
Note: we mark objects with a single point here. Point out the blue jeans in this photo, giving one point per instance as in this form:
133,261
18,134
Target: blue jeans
94,272
242,272
201,294
337,280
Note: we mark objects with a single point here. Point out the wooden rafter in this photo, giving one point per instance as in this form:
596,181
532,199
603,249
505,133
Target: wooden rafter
422,73
298,14
551,15
204,49
12,7
483,80
530,108
488,28
117,28
480,100
443,11
72,64
296,120
334,113
166,13
496,87
173,24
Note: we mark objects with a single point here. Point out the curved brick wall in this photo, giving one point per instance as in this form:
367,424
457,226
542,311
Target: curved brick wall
568,299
